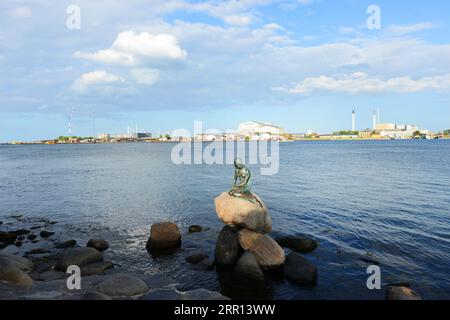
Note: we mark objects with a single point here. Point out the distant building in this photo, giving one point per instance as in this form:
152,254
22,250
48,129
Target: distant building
104,136
142,135
256,130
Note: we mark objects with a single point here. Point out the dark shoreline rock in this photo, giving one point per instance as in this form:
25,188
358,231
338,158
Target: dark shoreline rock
99,244
79,257
163,236
46,234
248,267
299,271
228,249
66,244
195,228
298,244
196,257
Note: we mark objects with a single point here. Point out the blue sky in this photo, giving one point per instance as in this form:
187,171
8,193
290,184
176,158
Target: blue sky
161,65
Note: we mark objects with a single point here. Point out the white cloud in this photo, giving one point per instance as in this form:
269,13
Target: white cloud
361,83
400,30
145,76
132,48
22,12
95,78
238,20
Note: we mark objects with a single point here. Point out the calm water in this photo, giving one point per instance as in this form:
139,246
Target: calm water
388,201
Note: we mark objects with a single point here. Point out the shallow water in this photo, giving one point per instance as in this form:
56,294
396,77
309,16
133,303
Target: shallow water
388,201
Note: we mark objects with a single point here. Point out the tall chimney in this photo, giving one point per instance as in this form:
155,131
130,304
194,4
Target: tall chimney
353,121
374,121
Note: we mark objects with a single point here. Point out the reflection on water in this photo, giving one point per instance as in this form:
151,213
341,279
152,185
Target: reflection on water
387,201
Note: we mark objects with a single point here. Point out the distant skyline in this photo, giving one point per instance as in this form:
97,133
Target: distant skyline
163,64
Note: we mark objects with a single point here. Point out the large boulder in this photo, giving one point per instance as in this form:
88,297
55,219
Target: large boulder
79,257
122,285
401,293
243,213
13,270
299,271
298,244
163,236
99,244
227,247
267,252
248,267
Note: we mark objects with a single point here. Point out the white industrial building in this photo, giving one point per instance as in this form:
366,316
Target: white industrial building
256,130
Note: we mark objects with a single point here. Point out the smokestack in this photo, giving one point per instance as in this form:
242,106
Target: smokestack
374,121
353,121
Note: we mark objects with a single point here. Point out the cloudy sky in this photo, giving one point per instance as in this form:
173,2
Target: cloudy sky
162,64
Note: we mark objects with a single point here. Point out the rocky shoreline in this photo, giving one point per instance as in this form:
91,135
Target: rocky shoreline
40,273
34,259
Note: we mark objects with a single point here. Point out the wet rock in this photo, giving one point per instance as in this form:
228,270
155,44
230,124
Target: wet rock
40,267
195,228
298,244
100,245
161,294
79,257
18,243
7,237
394,292
204,264
227,247
37,251
202,294
248,267
267,252
66,244
164,236
299,271
92,295
196,257
12,270
46,234
243,213
96,268
21,232
21,238
31,236
51,275
122,285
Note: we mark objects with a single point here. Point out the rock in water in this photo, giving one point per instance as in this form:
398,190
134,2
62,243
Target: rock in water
267,252
300,271
163,236
248,267
196,257
8,237
122,285
227,247
12,270
100,245
299,244
401,293
66,244
243,213
195,228
45,234
78,257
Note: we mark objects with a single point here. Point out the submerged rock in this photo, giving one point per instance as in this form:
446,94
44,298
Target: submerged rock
300,271
66,244
298,244
31,236
267,252
227,247
195,228
46,234
164,236
243,213
394,292
100,245
79,257
21,232
196,257
122,285
248,267
37,251
8,237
